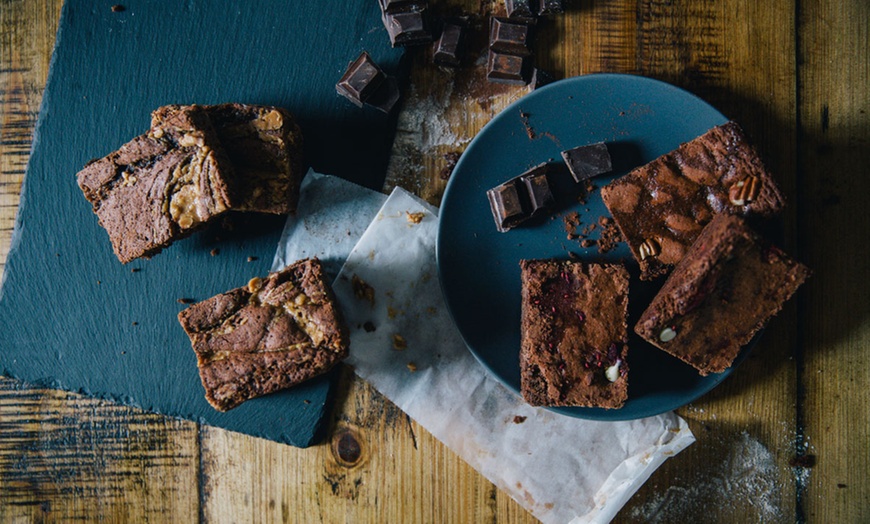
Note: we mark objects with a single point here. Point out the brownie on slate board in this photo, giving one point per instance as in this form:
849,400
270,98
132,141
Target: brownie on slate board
662,207
160,186
722,292
264,143
574,334
270,335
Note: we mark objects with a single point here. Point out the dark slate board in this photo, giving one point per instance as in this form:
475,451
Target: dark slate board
67,306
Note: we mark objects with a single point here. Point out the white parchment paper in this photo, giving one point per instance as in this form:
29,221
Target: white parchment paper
559,468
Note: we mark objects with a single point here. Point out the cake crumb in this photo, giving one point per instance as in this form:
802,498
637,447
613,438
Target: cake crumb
252,259
118,8
412,367
415,218
184,300
362,289
518,419
214,252
610,235
399,342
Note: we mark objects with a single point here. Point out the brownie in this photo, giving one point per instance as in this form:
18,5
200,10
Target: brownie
270,335
574,335
160,186
662,207
729,284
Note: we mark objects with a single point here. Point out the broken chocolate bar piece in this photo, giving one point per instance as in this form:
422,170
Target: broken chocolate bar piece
538,188
506,204
449,47
362,78
509,36
272,334
520,198
588,161
407,26
506,69
550,7
518,8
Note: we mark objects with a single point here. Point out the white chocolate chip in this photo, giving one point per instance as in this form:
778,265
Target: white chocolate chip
667,335
612,373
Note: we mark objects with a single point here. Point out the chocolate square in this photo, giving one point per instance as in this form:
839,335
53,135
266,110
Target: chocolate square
362,78
509,36
507,203
506,69
588,161
408,26
538,188
518,8
449,47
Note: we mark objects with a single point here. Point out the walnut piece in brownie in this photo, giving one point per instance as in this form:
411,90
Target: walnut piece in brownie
264,143
662,207
270,335
722,292
159,186
574,335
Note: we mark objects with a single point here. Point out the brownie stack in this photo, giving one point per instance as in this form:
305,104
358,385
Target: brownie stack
194,164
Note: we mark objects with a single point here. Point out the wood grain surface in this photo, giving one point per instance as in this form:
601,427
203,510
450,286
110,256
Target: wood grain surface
785,439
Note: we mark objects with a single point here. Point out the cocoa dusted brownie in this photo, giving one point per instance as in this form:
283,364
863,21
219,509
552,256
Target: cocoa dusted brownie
722,292
160,186
574,335
264,143
662,207
270,335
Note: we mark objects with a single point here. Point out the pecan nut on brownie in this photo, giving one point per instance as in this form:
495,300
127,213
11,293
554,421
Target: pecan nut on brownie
264,143
662,207
729,284
269,335
574,335
160,186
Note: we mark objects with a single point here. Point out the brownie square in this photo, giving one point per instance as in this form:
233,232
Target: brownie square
662,207
264,144
722,292
574,335
160,186
269,335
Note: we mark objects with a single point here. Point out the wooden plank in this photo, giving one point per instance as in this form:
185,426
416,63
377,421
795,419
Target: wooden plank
377,466
64,457
834,171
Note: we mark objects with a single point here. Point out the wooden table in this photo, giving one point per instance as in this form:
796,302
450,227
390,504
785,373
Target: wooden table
785,439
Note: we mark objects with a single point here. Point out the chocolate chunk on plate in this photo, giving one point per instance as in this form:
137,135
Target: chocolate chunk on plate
520,198
272,334
585,162
408,26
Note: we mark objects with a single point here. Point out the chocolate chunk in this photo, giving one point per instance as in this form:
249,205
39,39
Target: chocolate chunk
449,47
385,98
518,8
362,78
408,26
540,78
538,188
520,198
588,161
550,7
506,69
506,203
509,36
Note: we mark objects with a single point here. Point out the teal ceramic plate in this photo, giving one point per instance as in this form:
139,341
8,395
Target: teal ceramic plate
640,119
